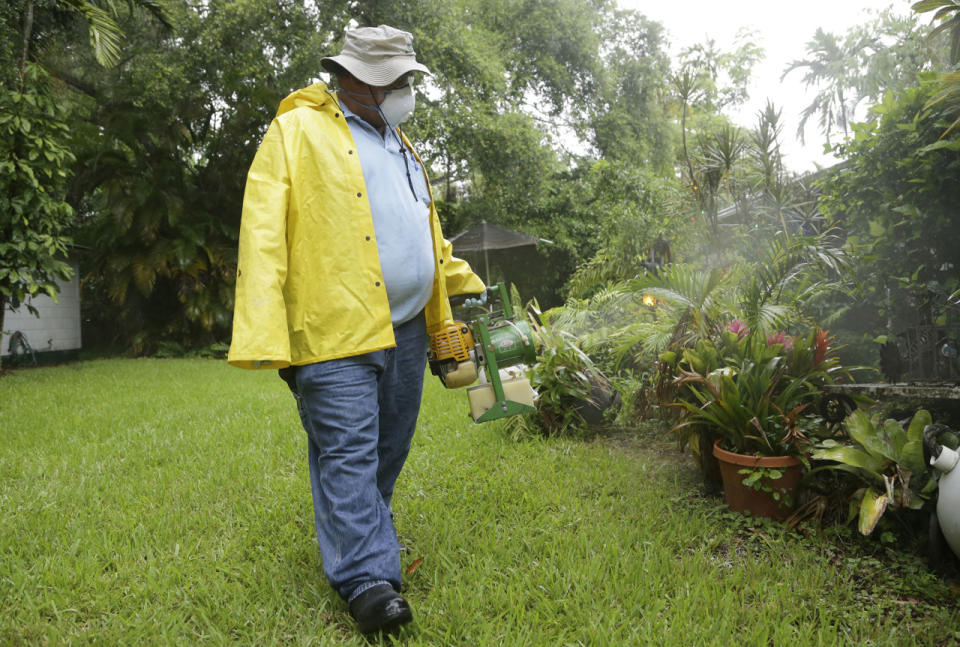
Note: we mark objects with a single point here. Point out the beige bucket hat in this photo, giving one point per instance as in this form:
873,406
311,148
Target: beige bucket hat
376,55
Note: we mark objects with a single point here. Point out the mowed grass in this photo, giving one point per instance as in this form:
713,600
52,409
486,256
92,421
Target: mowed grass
166,502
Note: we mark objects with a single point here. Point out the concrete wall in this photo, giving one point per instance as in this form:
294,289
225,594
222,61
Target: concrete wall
58,326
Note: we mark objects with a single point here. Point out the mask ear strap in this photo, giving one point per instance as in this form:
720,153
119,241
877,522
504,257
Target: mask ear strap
386,124
396,134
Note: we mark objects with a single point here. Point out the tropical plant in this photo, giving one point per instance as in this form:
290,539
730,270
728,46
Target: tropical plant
719,153
569,385
693,301
832,62
887,462
644,324
719,144
790,272
100,17
768,293
948,15
754,392
948,98
106,36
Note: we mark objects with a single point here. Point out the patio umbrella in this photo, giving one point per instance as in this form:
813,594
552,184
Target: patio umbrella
484,237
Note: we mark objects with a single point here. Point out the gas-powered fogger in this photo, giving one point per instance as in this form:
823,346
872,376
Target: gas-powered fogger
479,349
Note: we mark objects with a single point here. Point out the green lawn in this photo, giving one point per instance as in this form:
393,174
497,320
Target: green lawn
167,502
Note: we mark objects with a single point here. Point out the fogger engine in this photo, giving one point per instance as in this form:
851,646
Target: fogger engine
482,349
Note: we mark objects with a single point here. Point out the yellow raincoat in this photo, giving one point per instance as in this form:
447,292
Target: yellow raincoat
309,285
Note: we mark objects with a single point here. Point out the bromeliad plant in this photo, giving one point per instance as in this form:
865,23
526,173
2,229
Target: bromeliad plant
886,461
753,392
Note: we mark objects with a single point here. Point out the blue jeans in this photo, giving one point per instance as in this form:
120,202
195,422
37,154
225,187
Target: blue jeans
359,414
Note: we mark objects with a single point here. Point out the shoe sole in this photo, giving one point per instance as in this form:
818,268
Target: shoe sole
390,626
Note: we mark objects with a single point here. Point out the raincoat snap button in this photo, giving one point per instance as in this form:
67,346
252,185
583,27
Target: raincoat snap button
368,237
336,114
359,194
350,152
441,261
378,283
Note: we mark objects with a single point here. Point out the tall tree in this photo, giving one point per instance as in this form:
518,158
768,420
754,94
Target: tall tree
905,48
723,75
628,119
832,66
35,161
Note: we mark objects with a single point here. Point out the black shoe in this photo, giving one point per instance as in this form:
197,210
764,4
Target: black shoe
380,608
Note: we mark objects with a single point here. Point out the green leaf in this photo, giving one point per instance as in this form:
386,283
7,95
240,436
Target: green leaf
852,457
941,144
924,6
862,430
894,438
920,420
911,457
930,487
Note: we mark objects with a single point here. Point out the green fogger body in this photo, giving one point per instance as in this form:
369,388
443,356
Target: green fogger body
478,350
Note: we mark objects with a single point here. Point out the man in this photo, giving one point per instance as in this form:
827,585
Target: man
342,273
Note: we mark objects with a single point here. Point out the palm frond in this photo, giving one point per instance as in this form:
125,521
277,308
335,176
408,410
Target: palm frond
105,34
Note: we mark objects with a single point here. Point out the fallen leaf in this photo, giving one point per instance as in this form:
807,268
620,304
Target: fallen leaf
414,566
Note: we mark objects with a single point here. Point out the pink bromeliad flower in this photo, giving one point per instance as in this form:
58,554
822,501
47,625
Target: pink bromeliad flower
780,338
738,328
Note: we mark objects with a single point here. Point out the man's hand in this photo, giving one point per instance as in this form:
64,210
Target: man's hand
477,301
469,300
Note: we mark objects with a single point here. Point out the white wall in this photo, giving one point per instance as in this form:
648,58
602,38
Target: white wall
58,326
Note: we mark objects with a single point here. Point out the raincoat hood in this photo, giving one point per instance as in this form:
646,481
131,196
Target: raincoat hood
317,95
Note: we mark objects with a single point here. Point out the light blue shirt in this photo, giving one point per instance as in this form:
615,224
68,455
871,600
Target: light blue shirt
401,217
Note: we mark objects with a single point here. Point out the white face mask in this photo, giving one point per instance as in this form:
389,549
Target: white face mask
398,106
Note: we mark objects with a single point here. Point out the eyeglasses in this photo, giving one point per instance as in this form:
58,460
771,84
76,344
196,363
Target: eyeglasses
400,84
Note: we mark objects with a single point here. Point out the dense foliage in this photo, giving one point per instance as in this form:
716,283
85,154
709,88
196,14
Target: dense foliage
163,159
34,167
895,198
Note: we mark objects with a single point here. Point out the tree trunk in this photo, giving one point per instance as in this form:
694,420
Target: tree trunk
27,32
683,140
3,310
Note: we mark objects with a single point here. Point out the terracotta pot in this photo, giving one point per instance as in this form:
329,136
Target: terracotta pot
743,498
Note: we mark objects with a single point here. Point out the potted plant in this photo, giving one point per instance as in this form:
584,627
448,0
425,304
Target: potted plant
751,395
